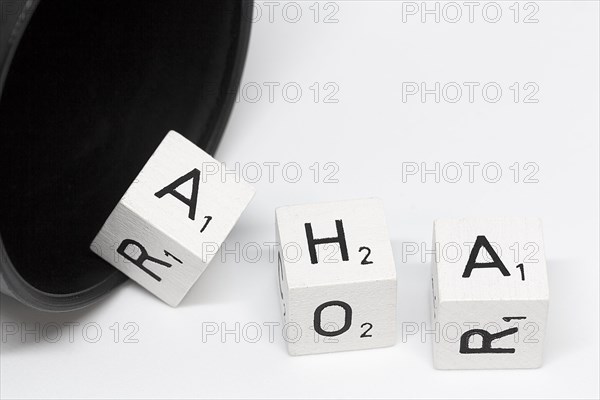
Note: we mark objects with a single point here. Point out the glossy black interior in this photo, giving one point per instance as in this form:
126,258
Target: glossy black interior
93,88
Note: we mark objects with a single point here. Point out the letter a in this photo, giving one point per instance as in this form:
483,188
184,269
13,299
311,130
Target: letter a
472,263
191,202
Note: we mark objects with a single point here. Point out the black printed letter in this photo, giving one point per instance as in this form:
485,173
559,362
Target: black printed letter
472,263
191,202
486,341
312,242
142,257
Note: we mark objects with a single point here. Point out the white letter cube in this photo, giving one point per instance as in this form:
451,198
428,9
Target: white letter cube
172,219
490,293
336,275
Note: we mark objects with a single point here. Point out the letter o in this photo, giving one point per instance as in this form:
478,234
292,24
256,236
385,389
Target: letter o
347,319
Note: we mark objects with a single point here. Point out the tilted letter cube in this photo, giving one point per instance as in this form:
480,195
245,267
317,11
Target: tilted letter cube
172,219
490,293
337,279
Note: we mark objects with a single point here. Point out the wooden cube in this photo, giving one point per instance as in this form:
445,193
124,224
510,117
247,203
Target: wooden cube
490,293
337,279
172,219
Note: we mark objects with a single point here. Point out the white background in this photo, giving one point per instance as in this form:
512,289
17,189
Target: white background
369,133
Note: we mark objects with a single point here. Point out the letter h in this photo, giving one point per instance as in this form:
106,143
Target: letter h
312,242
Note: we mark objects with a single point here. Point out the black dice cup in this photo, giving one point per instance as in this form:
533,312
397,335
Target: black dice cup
88,91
